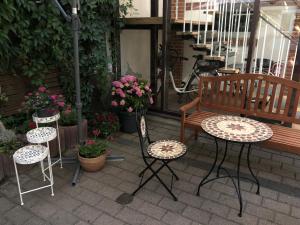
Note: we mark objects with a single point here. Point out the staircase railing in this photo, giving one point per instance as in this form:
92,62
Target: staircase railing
230,20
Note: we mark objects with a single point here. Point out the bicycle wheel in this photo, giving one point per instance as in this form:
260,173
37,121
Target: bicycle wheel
192,87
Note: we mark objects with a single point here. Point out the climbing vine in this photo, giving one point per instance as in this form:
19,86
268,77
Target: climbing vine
35,38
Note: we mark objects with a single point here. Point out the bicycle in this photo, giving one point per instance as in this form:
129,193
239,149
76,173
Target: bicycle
189,86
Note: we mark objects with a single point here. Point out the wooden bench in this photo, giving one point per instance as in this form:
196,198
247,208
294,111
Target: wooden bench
252,95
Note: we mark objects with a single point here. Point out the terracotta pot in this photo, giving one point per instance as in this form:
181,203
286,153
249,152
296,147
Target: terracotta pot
92,164
70,134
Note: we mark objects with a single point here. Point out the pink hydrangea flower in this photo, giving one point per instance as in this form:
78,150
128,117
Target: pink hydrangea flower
61,104
130,91
130,109
96,132
29,94
151,100
130,78
53,97
121,93
114,103
147,88
42,89
123,80
90,142
113,93
122,102
117,84
139,93
126,84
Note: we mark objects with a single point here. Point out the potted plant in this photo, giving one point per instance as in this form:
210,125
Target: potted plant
104,125
69,127
8,145
92,155
128,95
43,103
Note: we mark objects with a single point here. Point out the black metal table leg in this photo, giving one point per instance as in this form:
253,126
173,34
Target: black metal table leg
250,169
211,169
239,193
224,157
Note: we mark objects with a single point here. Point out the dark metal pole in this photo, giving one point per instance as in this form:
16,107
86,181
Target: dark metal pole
166,26
252,39
154,46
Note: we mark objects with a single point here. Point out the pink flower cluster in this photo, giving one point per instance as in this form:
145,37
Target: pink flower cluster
129,93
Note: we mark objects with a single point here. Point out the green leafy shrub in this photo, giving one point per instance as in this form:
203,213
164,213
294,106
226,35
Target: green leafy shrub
68,116
92,149
8,141
104,124
19,123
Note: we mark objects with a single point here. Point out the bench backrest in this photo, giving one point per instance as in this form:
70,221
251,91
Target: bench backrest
252,95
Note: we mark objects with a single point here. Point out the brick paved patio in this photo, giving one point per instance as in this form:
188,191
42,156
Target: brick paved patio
92,200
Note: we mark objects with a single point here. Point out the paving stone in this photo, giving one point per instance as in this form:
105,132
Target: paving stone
282,159
149,196
267,192
269,176
186,186
266,222
252,197
246,218
175,219
223,188
216,220
44,209
82,223
197,215
89,197
90,184
151,221
131,216
277,206
260,212
17,215
171,205
109,192
87,213
231,201
207,193
66,202
286,220
5,222
5,204
127,187
289,199
107,220
190,199
152,210
296,212
215,207
36,221
109,206
63,218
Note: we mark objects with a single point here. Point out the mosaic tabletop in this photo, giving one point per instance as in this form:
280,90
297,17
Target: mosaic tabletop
235,128
41,135
166,149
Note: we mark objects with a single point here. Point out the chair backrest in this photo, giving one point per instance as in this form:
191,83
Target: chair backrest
252,95
142,129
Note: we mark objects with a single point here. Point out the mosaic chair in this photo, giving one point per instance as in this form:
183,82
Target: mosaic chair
161,152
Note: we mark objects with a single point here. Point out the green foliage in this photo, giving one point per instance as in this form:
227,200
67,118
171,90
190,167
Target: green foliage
34,38
68,117
19,123
93,149
104,124
8,141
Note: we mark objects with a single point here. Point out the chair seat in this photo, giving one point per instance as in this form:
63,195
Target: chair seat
166,149
30,154
41,135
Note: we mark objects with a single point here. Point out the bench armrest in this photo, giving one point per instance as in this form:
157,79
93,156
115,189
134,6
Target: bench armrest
190,105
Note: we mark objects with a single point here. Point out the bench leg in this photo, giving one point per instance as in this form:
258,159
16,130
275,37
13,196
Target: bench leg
182,134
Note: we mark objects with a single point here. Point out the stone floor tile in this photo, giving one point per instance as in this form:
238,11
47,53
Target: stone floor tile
196,215
276,206
65,202
216,220
286,220
17,215
175,219
82,223
36,221
5,204
149,196
89,197
87,213
215,207
246,219
260,212
152,210
109,206
151,221
44,209
295,212
131,216
171,205
107,220
62,217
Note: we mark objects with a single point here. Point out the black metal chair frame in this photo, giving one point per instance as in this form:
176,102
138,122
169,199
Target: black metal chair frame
145,139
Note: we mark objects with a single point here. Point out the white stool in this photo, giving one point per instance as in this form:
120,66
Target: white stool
31,154
50,119
42,135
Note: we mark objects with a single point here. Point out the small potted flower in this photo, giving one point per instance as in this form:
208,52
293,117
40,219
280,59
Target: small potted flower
92,155
43,103
129,95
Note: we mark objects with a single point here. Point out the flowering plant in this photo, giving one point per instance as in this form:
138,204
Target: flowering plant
93,148
42,100
104,124
68,116
131,94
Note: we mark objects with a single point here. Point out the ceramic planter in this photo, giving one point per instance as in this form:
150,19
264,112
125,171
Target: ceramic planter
128,122
92,164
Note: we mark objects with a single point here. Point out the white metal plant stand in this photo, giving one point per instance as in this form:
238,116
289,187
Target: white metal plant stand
31,154
50,119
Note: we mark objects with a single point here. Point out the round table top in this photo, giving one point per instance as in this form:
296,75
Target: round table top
166,149
48,119
41,135
237,129
30,154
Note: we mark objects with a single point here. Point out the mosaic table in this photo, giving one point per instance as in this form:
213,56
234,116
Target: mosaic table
234,129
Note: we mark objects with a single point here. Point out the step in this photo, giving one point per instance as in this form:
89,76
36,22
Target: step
201,46
194,22
187,33
228,70
214,58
